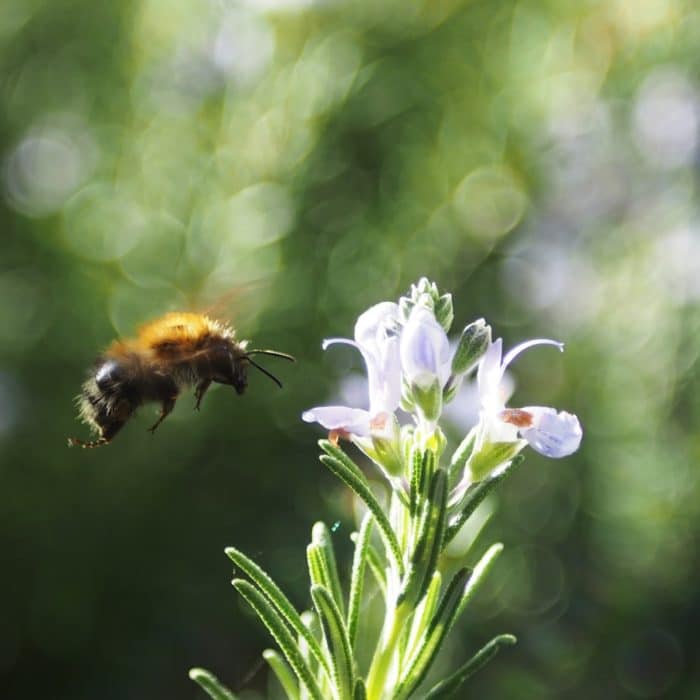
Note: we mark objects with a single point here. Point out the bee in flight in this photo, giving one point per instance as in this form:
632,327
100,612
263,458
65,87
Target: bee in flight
169,354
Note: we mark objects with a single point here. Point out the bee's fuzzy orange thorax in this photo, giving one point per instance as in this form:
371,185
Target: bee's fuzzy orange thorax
177,332
181,326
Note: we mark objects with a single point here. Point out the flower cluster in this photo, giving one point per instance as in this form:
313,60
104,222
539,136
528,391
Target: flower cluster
411,365
412,372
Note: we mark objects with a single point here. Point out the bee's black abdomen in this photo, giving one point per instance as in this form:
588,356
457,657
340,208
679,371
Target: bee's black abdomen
108,397
108,373
117,381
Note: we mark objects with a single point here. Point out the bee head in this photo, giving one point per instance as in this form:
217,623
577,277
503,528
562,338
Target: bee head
226,364
239,374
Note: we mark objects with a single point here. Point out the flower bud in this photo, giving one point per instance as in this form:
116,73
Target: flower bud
424,293
424,350
474,341
424,286
444,312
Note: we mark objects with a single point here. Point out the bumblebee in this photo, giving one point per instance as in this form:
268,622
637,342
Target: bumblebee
169,354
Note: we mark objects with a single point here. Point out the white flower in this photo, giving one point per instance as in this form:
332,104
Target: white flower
426,365
551,433
376,337
425,350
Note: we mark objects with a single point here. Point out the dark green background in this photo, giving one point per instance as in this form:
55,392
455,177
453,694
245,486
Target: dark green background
292,166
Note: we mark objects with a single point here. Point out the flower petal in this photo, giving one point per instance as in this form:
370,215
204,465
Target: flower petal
351,420
553,434
338,341
425,349
373,325
489,374
512,354
384,376
376,337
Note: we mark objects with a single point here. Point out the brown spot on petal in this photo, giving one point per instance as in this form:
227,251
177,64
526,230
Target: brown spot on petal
517,417
378,423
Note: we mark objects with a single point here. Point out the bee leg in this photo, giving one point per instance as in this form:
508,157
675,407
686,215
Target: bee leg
165,408
108,426
76,442
200,391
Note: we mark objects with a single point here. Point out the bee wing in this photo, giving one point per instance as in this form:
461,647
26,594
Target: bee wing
233,301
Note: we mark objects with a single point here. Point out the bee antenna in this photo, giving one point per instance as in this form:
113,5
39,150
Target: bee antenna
272,353
264,371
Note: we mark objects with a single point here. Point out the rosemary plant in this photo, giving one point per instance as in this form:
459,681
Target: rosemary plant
400,542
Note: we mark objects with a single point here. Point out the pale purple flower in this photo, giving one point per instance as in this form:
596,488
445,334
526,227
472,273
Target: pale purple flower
425,350
377,338
551,433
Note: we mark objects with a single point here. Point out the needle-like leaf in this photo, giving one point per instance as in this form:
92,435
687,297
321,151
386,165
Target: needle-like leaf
434,636
211,685
359,564
281,634
475,494
283,672
430,539
447,688
334,451
479,575
275,595
337,640
321,536
360,692
361,488
423,615
460,457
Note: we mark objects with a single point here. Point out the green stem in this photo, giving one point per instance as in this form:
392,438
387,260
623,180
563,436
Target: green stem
388,646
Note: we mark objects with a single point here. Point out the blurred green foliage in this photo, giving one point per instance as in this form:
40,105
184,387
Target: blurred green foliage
300,161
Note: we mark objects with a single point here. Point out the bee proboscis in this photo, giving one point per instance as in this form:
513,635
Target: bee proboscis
169,354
